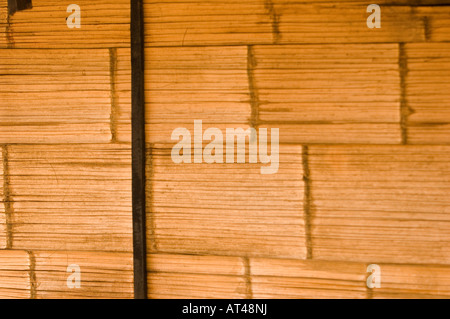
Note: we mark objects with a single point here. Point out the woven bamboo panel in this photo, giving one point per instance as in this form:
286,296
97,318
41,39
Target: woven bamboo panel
57,96
184,276
310,68
380,204
14,274
104,24
71,197
285,278
103,275
329,93
413,281
227,208
428,93
344,22
196,22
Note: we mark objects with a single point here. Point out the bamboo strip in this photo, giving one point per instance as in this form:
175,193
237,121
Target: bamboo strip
285,278
191,264
103,275
208,84
187,277
337,133
14,274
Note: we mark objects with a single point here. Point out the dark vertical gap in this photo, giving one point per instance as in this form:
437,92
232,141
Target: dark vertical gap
254,99
248,279
151,232
7,198
32,275
275,19
18,5
307,202
405,111
138,150
9,33
427,28
113,75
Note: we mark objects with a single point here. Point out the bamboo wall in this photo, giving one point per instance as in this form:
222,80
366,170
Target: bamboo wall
364,157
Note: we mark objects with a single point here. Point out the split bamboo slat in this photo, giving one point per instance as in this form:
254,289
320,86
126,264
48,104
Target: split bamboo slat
3,23
227,209
185,84
57,96
14,274
414,281
104,24
184,276
438,22
344,22
329,93
71,197
287,278
380,204
103,274
428,92
194,22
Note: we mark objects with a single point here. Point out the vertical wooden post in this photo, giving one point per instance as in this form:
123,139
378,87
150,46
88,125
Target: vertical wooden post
138,150
18,5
